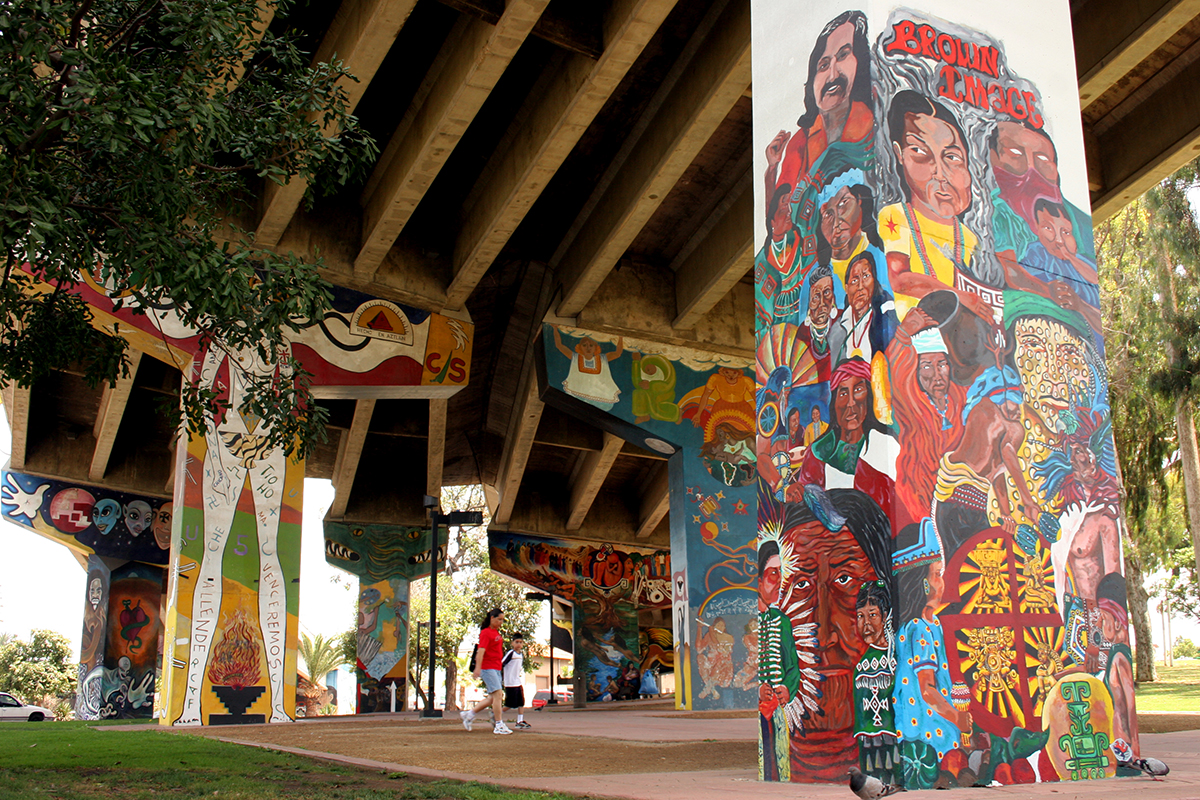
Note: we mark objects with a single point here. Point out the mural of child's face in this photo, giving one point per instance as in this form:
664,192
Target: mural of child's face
934,161
937,584
769,580
587,348
1056,234
870,625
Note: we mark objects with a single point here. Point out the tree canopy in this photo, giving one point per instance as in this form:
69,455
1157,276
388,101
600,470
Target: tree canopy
38,667
133,138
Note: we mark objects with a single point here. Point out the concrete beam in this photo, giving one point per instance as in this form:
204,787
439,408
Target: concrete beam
713,81
1114,37
542,511
1159,137
638,301
112,409
360,35
553,119
349,453
719,262
517,445
436,451
594,468
655,502
479,56
573,33
16,405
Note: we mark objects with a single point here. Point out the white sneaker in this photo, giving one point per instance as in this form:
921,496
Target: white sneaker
467,718
501,728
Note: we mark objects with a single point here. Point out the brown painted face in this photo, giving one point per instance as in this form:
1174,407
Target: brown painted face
870,626
933,376
587,348
937,585
1083,462
820,302
781,220
841,220
850,405
829,567
1056,235
836,70
860,287
934,161
730,374
768,582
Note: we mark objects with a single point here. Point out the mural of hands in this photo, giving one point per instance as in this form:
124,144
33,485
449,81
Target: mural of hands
27,503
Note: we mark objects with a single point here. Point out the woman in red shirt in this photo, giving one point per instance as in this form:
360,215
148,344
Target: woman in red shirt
487,666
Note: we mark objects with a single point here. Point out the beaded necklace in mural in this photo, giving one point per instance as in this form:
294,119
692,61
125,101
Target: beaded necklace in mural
781,254
919,240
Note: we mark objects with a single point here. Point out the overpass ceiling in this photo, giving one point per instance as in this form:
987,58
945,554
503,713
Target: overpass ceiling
536,157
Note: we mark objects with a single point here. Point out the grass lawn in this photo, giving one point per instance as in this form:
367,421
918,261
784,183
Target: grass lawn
67,760
1177,689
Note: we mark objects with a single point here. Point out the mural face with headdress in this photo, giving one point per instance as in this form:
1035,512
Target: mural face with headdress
942,284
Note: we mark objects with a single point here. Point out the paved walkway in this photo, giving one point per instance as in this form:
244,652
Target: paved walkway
1180,750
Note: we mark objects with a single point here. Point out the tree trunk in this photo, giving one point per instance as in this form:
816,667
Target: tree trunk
1137,599
420,702
1189,455
451,682
1139,610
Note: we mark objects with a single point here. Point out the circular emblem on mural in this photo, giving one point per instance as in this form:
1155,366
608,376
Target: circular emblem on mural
71,510
659,446
379,319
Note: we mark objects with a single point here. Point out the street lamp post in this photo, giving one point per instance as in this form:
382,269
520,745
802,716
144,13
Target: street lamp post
539,596
436,518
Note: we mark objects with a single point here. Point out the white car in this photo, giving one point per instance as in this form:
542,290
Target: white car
13,709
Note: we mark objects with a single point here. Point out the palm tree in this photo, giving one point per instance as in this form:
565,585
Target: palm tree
321,656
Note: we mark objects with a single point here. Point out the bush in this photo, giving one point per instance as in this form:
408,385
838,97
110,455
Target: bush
1184,648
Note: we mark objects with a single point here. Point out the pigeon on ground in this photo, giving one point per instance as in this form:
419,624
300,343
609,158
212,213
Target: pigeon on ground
1151,766
870,788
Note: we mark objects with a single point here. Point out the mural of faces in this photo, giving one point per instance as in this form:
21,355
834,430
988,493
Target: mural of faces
944,251
162,525
106,515
138,516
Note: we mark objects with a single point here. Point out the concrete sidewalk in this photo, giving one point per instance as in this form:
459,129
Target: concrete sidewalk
1180,750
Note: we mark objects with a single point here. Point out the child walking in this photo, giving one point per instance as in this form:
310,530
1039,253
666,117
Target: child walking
514,679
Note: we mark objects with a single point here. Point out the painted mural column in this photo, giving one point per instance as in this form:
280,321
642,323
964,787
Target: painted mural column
940,585
386,558
698,407
125,538
235,554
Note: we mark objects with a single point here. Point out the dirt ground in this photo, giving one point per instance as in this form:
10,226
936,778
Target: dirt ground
444,745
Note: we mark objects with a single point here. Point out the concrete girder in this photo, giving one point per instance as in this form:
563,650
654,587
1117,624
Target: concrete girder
719,262
16,406
360,35
113,400
1159,137
655,501
435,454
1115,37
589,476
350,449
480,55
554,119
713,81
517,445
